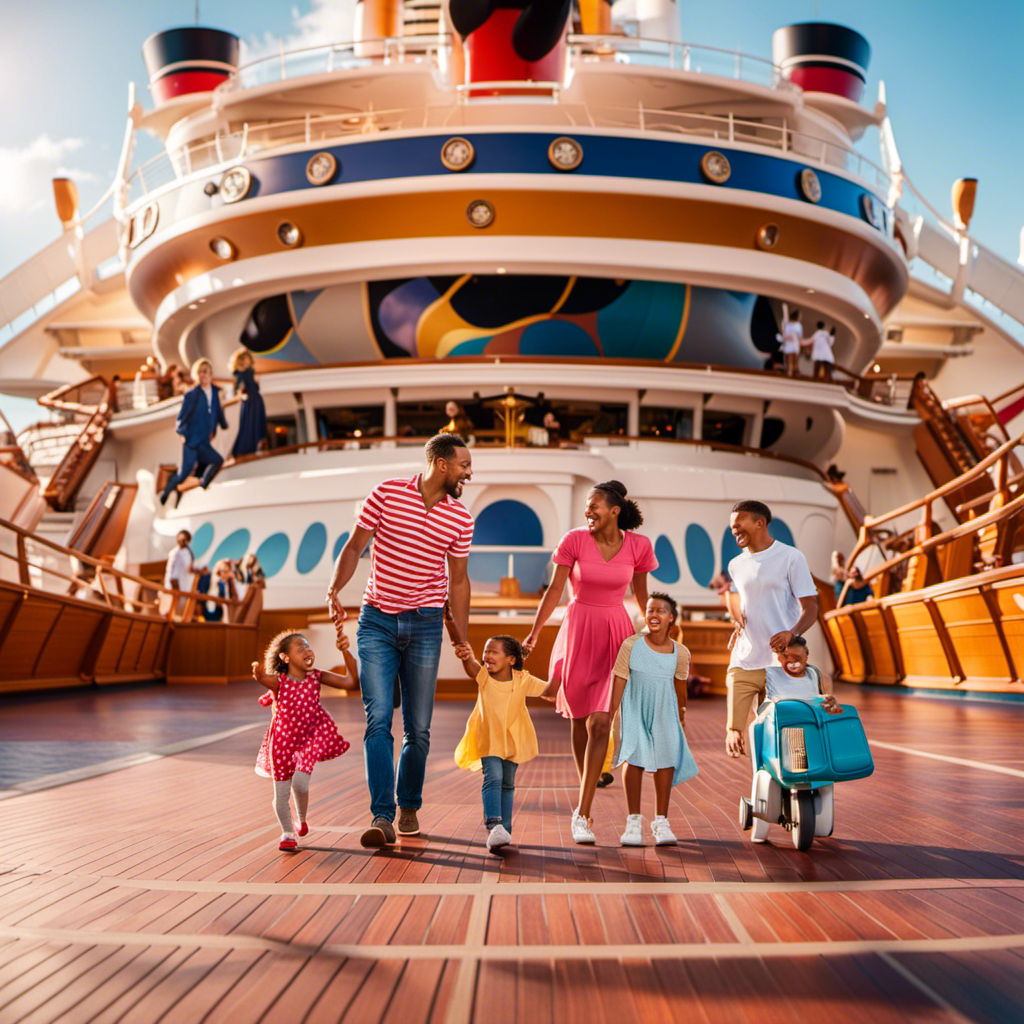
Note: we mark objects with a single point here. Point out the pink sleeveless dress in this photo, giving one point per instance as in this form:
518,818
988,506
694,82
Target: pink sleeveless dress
301,733
596,621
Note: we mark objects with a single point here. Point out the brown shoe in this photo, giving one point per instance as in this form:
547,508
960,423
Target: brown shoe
380,833
408,823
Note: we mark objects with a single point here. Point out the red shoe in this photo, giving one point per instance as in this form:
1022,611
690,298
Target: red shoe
303,828
288,844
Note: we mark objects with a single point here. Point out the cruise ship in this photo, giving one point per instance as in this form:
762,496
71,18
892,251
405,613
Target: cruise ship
588,233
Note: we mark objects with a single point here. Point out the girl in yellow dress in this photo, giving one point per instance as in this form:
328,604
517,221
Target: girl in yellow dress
499,735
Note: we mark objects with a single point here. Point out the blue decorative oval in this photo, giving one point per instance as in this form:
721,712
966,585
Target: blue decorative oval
233,546
338,545
311,548
201,540
668,564
780,531
508,523
700,554
273,553
730,549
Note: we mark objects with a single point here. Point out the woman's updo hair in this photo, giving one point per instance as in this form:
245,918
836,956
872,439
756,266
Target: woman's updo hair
513,649
614,494
272,663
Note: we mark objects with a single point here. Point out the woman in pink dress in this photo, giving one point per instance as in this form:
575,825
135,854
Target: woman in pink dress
601,560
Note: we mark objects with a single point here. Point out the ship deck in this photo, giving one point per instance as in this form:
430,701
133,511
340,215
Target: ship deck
141,880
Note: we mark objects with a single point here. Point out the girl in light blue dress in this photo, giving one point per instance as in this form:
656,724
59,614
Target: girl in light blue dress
649,690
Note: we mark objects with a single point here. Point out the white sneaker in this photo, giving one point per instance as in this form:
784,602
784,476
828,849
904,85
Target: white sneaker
634,835
663,835
759,831
497,838
581,830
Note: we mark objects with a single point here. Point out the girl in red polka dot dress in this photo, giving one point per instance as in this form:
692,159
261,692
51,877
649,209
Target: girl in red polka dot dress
301,732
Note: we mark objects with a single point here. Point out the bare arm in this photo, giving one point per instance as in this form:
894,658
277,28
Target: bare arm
640,591
338,682
458,595
465,654
552,689
735,608
808,616
681,700
547,605
618,689
345,567
265,678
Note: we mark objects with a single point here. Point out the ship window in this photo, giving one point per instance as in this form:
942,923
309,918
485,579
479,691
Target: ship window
282,431
664,421
724,427
345,422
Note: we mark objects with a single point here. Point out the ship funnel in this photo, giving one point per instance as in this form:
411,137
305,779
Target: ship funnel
964,191
596,17
378,19
822,57
65,195
182,61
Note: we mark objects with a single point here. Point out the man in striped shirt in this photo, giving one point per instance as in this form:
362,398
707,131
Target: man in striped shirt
417,526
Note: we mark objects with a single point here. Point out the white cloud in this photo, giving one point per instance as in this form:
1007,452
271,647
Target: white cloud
328,21
25,172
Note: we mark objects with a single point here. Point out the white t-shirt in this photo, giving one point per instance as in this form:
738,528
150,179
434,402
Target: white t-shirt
821,346
179,565
770,584
792,335
778,684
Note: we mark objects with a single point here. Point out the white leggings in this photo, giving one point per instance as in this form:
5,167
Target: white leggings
299,785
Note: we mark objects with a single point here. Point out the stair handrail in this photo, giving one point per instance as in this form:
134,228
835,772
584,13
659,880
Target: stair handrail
56,399
976,525
102,569
1000,455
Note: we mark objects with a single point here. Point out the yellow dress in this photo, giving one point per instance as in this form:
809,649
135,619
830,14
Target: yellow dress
500,724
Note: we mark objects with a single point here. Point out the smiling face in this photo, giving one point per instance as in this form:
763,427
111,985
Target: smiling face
298,656
658,616
205,374
747,529
793,660
458,471
497,660
598,514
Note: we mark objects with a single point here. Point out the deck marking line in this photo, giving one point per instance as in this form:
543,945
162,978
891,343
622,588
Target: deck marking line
650,951
655,887
949,759
924,989
118,764
460,1005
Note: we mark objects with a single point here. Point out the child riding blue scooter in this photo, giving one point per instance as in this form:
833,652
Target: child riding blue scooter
801,743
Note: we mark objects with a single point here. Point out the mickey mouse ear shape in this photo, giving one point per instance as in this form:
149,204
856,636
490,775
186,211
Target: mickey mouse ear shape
539,27
468,15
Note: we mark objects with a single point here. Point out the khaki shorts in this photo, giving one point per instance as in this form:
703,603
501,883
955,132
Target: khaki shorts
746,689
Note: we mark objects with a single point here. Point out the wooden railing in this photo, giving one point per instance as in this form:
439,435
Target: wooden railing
97,580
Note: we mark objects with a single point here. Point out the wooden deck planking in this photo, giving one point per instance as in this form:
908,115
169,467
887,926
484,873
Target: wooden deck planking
191,875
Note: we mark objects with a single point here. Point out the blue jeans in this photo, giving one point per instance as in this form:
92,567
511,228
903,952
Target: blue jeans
498,790
406,645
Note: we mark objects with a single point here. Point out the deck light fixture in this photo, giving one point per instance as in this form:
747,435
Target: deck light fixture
320,168
288,234
768,236
223,249
235,184
810,185
480,213
715,166
565,154
457,154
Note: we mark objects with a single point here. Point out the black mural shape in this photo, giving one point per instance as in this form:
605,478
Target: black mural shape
591,294
772,428
492,301
268,324
536,31
763,326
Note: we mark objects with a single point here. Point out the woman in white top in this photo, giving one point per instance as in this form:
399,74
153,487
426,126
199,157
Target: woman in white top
821,352
792,339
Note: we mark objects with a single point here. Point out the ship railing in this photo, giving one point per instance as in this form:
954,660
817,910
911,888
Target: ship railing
1000,469
42,564
892,389
167,168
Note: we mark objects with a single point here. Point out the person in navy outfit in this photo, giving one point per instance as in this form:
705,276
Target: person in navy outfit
198,419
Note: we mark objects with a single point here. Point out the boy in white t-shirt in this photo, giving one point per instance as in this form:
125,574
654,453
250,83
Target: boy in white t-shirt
793,679
792,340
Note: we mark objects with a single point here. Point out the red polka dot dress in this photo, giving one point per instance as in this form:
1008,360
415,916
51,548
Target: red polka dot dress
301,733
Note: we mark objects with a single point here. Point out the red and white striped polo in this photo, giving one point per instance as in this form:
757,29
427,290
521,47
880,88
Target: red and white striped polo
410,545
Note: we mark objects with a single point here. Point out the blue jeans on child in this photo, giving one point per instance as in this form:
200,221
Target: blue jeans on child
498,790
406,645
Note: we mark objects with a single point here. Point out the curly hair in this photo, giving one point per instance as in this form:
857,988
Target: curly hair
513,648
660,595
272,663
614,494
236,357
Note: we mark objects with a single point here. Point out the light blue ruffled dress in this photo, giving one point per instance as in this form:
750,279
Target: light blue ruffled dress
652,736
